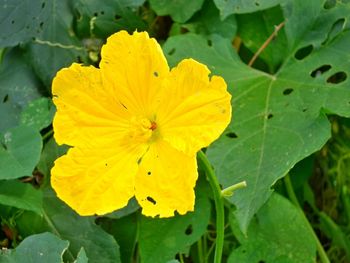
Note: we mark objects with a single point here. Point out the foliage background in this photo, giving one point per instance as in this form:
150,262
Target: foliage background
289,136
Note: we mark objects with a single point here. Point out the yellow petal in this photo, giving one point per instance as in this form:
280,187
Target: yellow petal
96,181
135,64
86,110
198,110
165,181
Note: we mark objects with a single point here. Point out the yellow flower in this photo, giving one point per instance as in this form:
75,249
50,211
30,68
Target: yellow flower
135,128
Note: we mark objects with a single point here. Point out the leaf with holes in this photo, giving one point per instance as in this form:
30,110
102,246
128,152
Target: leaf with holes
228,7
18,86
278,233
180,10
161,239
277,119
56,46
103,18
21,20
20,149
20,195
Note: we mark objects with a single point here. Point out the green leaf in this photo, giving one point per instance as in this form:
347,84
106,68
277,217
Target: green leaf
207,21
21,20
38,114
49,154
125,231
278,233
20,149
256,28
101,19
161,239
278,119
56,46
99,246
40,248
18,86
82,258
228,7
179,10
20,195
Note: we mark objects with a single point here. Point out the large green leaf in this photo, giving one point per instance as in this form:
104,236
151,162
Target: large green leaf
277,119
20,195
18,86
21,20
228,7
56,46
102,18
40,248
161,239
20,149
207,21
179,10
278,234
59,219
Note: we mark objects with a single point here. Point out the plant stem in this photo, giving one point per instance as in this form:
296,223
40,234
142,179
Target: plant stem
289,187
219,206
266,43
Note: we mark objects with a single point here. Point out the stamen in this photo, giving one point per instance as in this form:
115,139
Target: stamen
153,126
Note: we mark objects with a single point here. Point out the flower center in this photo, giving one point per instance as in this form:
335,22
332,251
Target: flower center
142,130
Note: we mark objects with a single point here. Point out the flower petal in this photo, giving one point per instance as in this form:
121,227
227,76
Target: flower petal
86,110
96,181
165,181
199,109
135,64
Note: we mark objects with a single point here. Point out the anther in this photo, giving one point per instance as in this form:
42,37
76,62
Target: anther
153,126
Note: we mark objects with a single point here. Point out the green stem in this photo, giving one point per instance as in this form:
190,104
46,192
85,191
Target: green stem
200,250
219,206
289,187
47,135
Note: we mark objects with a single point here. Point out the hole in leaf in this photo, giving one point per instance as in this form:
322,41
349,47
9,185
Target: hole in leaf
320,70
329,4
337,77
337,27
155,73
288,91
149,173
189,230
150,199
6,98
172,51
269,116
231,135
303,52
